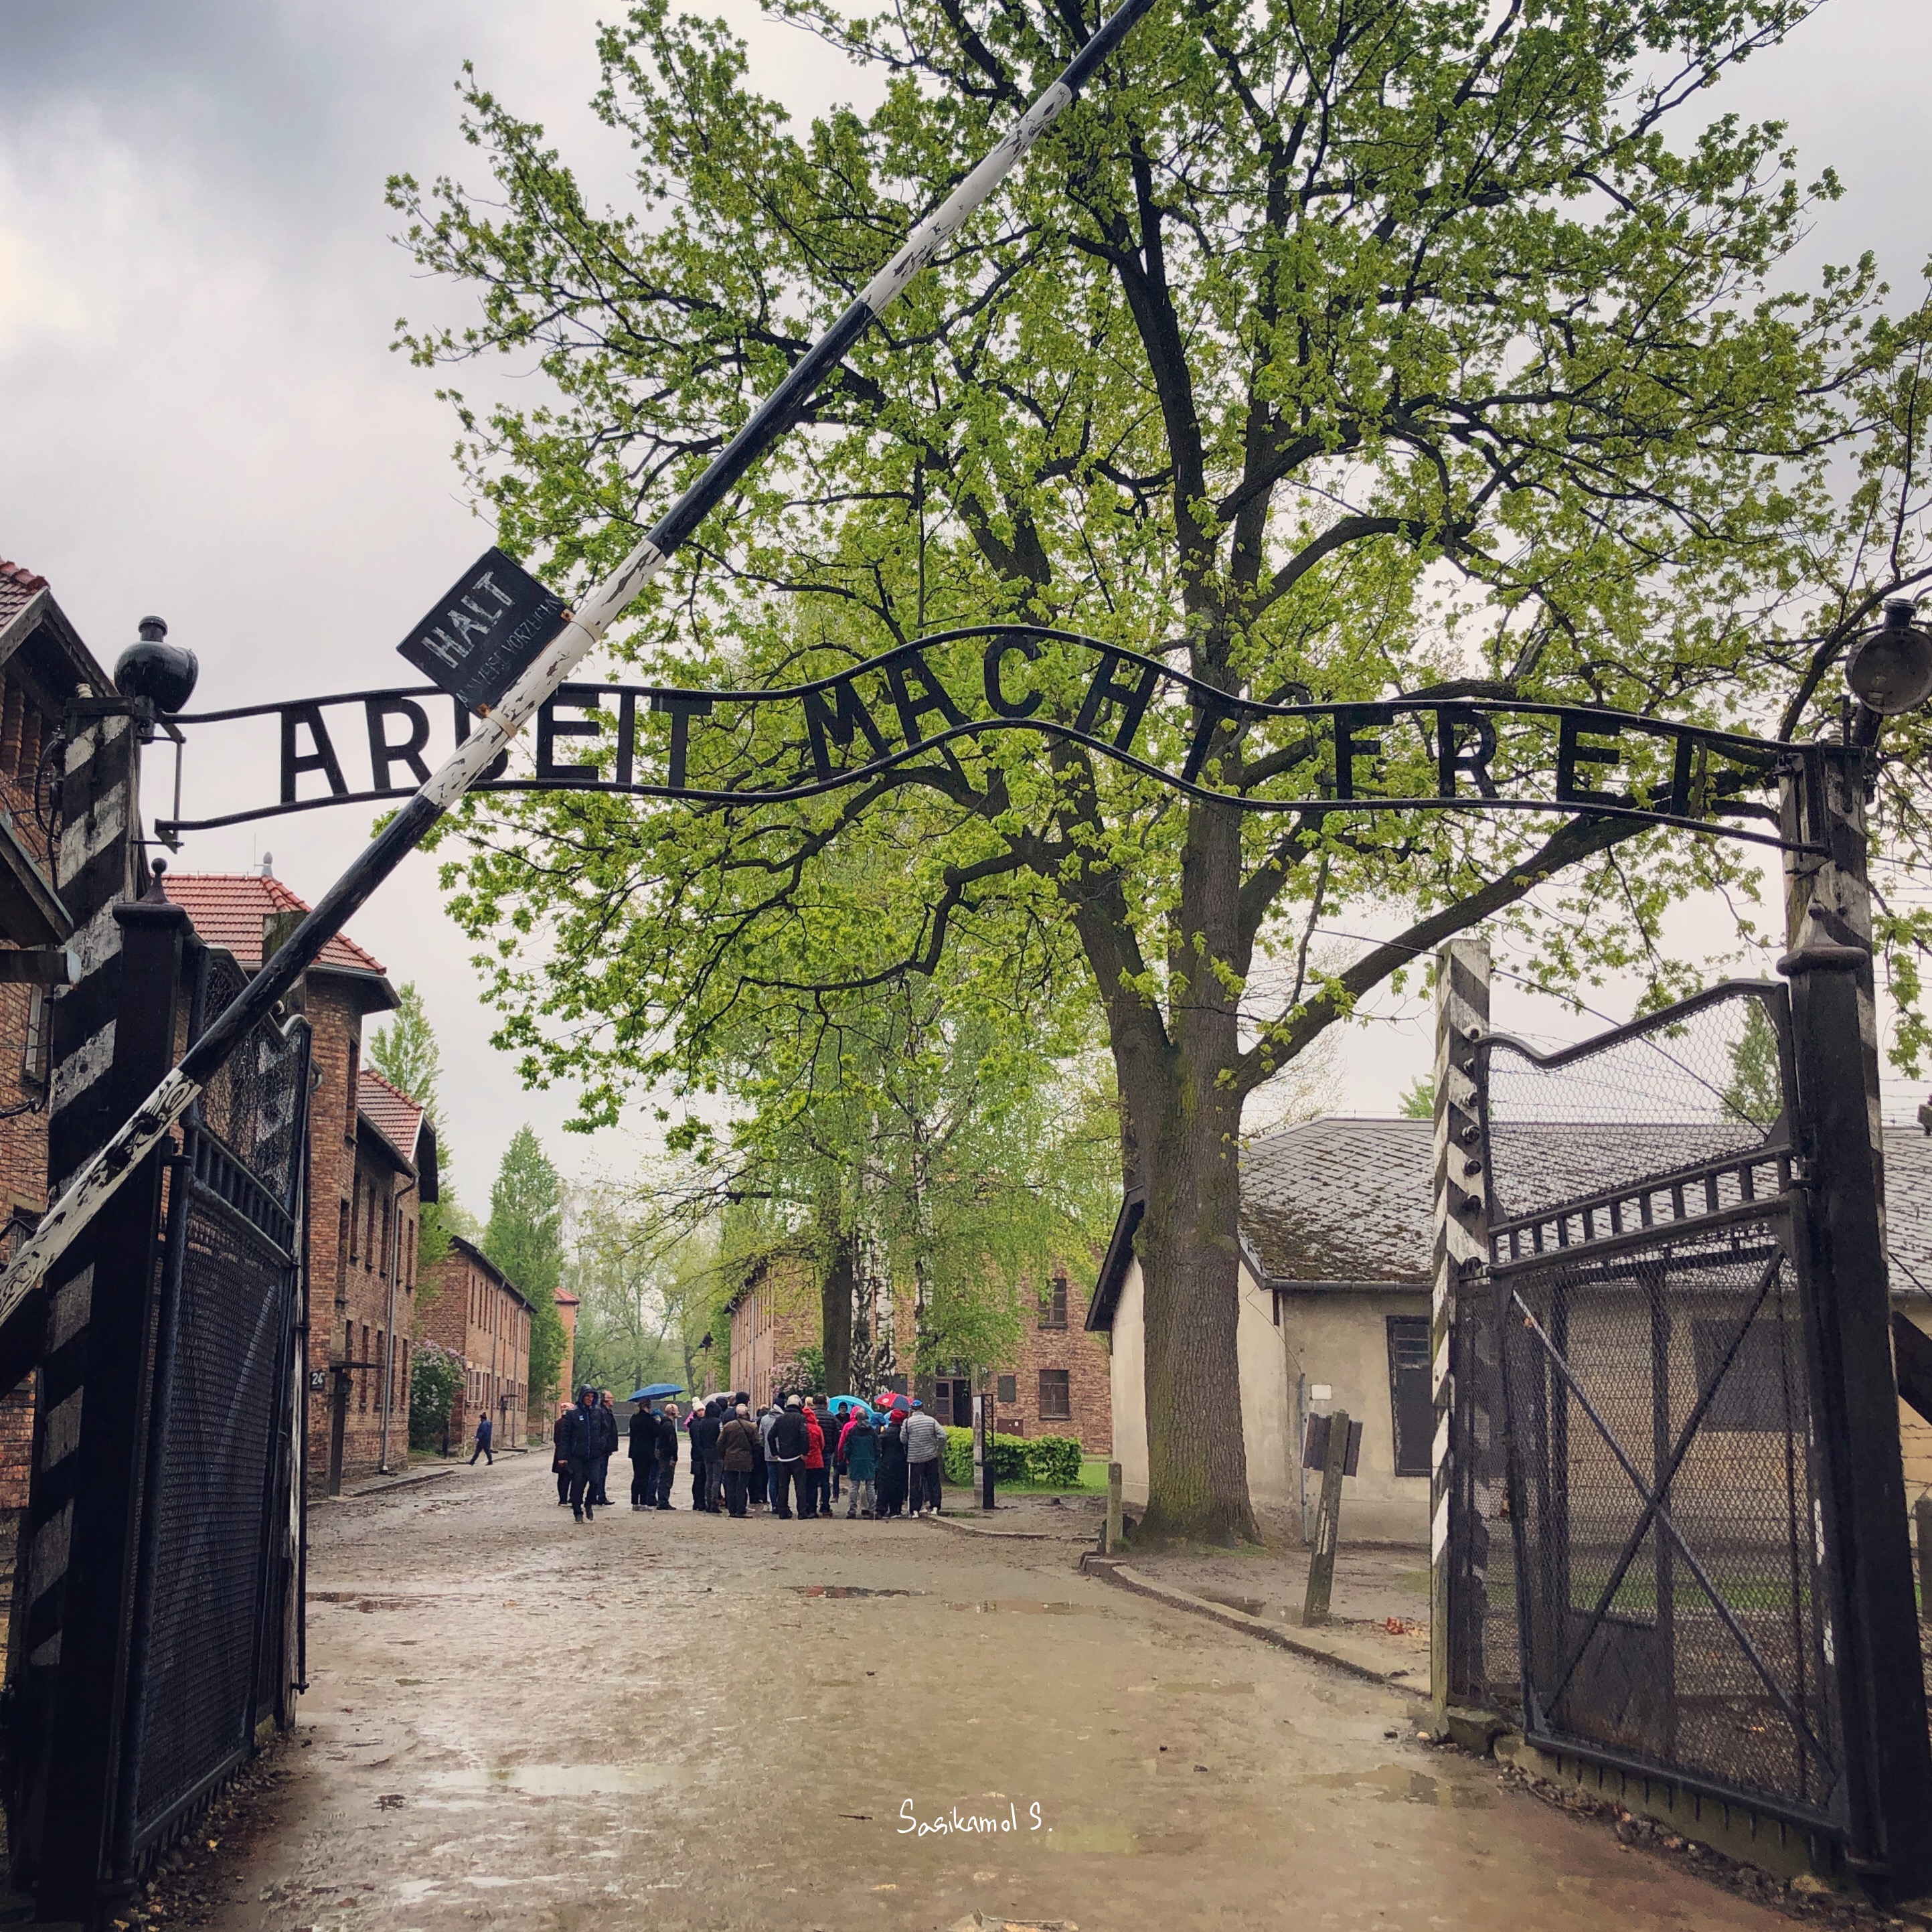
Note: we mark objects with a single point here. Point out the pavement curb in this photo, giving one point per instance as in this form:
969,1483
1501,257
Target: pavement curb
1343,1652
384,1489
998,1535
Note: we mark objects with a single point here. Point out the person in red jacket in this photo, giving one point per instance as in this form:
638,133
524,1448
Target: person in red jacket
818,1488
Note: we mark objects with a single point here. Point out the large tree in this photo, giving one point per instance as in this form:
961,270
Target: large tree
1368,346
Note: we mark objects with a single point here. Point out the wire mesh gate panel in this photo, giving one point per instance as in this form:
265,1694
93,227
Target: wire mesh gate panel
215,1555
1671,1606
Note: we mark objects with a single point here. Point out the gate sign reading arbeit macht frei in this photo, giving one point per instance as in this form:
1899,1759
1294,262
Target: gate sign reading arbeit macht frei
793,742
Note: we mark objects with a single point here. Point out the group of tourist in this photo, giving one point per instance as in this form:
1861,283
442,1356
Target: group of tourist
797,1458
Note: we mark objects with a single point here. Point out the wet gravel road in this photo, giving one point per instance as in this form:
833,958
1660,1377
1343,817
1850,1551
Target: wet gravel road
516,1721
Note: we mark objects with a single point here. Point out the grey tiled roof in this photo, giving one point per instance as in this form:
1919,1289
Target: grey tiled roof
1341,1200
1337,1200
1908,1208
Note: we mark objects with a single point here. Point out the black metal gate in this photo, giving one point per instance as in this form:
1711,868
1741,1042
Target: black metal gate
219,1541
1673,1606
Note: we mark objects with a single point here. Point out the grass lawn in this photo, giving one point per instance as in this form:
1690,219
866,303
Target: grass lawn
1093,1482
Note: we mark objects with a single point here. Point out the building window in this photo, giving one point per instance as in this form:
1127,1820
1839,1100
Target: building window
1411,1400
34,1059
1009,1389
1757,1392
343,1237
1053,1304
1056,1397
382,1267
355,1213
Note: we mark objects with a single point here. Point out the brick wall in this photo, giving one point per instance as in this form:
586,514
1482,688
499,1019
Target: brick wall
362,1205
1083,1359
771,1322
476,1317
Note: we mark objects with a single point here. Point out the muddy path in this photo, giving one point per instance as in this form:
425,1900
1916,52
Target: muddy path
514,1721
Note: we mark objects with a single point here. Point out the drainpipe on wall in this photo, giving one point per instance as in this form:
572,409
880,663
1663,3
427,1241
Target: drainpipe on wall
389,1333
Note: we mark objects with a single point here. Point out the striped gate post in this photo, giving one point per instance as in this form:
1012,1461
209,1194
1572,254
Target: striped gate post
98,866
1459,1478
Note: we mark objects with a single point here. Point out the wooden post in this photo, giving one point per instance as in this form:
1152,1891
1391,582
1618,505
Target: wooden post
338,1425
1922,1510
1328,1523
1461,1341
1112,1538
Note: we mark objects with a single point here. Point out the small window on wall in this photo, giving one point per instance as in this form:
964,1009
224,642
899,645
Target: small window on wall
1757,1387
1411,1399
34,1059
1053,1304
1009,1389
1056,1395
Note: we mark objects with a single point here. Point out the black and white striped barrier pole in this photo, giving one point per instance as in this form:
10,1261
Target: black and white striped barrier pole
95,1183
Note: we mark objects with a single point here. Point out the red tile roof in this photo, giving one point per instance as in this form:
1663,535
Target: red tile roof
18,587
228,908
390,1111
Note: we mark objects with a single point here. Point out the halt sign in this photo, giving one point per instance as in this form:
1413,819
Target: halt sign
486,632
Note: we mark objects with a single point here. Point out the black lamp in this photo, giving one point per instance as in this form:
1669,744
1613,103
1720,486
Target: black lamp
162,673
1890,668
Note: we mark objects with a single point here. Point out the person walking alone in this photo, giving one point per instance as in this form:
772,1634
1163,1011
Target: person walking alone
925,1445
785,1451
483,1441
737,1449
859,1446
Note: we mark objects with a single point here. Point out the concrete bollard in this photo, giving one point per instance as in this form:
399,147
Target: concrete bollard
1328,1523
1111,1537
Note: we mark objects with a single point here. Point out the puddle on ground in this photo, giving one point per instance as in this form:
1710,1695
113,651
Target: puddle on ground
849,1590
1391,1784
557,1781
361,1600
1213,1686
1121,1840
1028,1606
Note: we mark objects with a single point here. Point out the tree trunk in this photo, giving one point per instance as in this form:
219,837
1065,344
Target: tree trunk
1181,1141
836,1291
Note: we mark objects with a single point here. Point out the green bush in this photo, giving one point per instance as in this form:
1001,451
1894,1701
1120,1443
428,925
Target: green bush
1044,1462
1054,1462
435,1376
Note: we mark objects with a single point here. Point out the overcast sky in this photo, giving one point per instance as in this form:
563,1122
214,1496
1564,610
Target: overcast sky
200,414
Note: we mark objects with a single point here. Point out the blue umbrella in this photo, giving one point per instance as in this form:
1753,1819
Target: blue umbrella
655,1389
839,1404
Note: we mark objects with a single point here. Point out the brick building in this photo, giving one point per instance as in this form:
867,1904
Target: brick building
44,666
372,1163
775,1315
1059,1381
478,1313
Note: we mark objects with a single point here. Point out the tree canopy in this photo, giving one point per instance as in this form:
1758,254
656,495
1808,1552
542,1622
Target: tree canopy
1359,347
524,1238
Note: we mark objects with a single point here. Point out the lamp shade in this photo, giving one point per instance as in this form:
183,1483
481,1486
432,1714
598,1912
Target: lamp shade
1890,668
162,673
